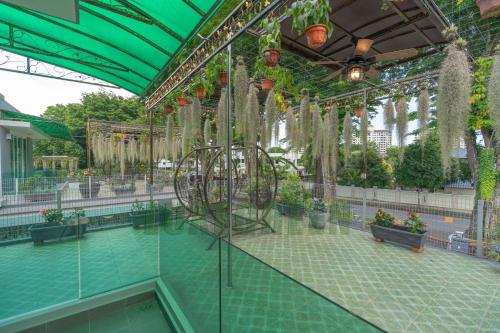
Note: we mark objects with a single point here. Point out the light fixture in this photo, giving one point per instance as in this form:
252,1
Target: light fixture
356,73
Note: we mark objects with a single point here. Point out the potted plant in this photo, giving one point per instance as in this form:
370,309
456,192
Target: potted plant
122,186
312,19
411,234
317,212
270,41
143,215
138,214
38,189
201,86
216,70
56,227
260,196
88,189
290,201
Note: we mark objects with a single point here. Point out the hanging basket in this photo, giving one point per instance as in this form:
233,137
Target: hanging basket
488,8
271,57
200,92
267,84
316,35
182,101
168,108
358,112
223,78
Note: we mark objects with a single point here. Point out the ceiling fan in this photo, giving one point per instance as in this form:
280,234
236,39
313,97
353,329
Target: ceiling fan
358,65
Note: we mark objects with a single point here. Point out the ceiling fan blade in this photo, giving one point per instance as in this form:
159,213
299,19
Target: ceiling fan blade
396,55
333,75
328,62
363,45
372,73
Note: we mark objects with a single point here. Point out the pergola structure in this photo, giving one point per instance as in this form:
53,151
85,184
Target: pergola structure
52,162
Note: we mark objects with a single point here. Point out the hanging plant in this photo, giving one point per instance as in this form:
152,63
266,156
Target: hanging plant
487,173
494,96
305,117
277,77
364,132
291,129
453,97
95,147
332,131
216,70
401,124
312,18
359,112
221,119
317,139
423,112
252,112
389,115
169,134
240,87
271,113
347,134
195,119
207,132
181,114
201,86
270,41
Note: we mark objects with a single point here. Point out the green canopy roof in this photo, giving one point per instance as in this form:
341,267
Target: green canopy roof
124,42
48,127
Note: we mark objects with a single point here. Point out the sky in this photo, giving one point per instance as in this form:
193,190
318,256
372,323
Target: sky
31,94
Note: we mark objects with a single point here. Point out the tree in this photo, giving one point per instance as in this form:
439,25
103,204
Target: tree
97,106
378,174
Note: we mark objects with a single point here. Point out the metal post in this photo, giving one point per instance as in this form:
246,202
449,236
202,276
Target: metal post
17,186
90,187
363,215
365,166
479,229
229,152
59,198
151,155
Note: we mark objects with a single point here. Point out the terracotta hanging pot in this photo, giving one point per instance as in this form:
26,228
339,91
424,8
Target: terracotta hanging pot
200,92
267,84
271,57
181,101
223,78
167,108
358,112
316,35
488,8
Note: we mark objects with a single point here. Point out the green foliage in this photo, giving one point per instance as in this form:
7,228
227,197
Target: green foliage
309,12
200,80
494,97
37,184
340,210
377,175
383,219
480,115
315,204
137,207
290,192
217,65
487,173
421,165
282,77
52,217
415,224
271,39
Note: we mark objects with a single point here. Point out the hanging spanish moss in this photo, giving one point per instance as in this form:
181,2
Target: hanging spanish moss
111,150
347,134
240,94
132,150
494,96
332,132
423,112
305,117
123,158
271,113
317,138
252,113
389,115
207,132
291,129
326,158
364,131
195,119
181,114
169,134
186,140
401,124
221,118
453,97
263,133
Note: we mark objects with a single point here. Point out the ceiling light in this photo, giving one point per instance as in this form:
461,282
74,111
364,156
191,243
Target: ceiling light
356,73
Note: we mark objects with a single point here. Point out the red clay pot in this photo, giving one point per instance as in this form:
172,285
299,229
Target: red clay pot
267,84
358,113
488,8
200,92
223,78
316,35
272,57
181,101
168,108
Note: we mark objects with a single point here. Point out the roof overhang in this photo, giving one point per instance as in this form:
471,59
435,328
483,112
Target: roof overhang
23,129
63,9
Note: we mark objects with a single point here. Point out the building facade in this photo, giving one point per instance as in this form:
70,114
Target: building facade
382,138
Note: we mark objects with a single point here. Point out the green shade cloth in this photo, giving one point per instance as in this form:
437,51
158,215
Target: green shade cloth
48,127
123,42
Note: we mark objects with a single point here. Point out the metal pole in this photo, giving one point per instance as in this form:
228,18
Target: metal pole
229,152
365,166
151,155
479,229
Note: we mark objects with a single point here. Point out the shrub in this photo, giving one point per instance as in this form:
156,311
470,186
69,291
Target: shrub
383,219
415,224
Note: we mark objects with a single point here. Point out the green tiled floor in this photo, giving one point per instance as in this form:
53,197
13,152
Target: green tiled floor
392,287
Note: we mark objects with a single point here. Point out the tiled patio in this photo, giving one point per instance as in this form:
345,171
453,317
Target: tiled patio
392,287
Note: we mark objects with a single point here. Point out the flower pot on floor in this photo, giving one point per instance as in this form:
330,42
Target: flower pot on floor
41,233
84,189
316,35
40,196
399,235
318,219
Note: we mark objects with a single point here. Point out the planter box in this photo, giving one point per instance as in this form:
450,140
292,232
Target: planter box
123,189
156,188
84,190
148,217
261,201
40,234
292,211
399,235
318,219
40,197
